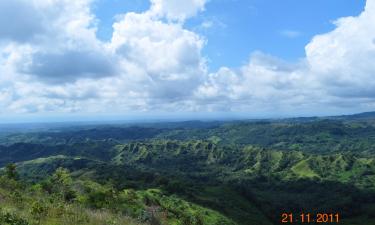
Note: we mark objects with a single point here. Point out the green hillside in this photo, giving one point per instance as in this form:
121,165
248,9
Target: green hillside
241,173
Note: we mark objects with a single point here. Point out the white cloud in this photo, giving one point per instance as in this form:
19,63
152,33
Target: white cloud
57,42
68,65
337,73
149,63
153,63
176,10
265,82
20,28
166,57
46,20
343,60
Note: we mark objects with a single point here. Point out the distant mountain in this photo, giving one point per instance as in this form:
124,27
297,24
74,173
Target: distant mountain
364,115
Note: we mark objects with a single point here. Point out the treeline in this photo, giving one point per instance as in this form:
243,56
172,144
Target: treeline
314,135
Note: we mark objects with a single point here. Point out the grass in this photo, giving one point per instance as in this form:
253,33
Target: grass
302,169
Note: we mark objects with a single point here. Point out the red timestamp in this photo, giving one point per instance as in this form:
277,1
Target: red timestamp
310,218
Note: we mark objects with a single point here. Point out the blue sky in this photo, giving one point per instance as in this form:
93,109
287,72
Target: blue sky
239,27
187,58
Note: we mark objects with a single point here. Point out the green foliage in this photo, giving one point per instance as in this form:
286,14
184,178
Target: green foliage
38,209
33,206
98,196
7,218
10,183
11,171
60,184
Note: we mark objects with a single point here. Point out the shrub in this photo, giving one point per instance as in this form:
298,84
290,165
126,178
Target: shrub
11,171
38,209
61,184
7,218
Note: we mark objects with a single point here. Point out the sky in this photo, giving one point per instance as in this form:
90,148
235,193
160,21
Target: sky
190,58
235,28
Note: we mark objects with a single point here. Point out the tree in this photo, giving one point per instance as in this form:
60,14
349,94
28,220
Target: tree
11,171
62,177
62,184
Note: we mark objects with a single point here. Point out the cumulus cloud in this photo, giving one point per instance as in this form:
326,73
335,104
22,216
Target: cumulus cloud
54,40
20,28
154,63
44,20
68,65
166,56
148,64
265,82
342,60
337,72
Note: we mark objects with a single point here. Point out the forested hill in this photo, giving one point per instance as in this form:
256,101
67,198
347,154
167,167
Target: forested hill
315,135
234,172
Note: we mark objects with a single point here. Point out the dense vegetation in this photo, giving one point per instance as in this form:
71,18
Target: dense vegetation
239,172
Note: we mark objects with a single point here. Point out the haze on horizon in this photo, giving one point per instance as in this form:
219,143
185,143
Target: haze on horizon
62,60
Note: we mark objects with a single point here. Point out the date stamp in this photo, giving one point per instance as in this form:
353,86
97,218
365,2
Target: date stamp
310,218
